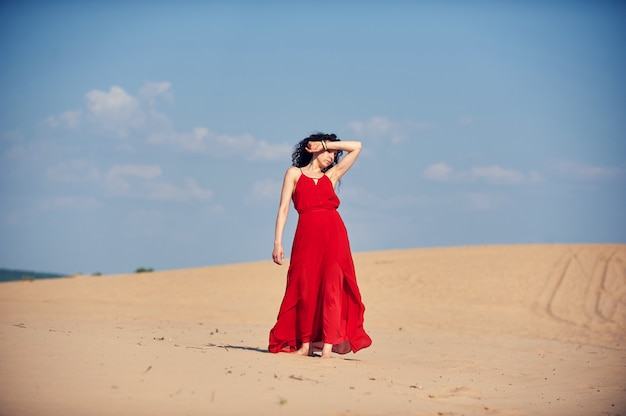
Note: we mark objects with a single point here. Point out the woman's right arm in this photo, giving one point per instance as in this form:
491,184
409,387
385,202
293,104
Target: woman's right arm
289,183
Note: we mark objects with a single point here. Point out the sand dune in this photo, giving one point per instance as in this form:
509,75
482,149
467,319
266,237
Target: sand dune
490,330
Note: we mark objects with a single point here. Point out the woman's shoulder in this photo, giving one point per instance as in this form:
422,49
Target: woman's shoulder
293,174
293,171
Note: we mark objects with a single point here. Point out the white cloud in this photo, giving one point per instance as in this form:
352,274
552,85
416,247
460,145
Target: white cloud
224,145
118,111
267,151
196,191
152,90
376,126
203,140
497,175
382,128
494,175
167,192
144,181
439,172
117,179
69,119
115,110
583,171
196,141
115,103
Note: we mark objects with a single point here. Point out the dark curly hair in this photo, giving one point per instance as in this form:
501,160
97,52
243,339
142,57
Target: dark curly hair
300,157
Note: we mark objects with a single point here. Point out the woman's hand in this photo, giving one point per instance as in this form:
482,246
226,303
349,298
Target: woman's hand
278,255
313,147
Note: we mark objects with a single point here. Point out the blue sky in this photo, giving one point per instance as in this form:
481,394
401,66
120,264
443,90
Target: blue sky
156,134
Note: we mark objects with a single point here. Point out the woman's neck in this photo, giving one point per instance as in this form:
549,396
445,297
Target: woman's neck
313,168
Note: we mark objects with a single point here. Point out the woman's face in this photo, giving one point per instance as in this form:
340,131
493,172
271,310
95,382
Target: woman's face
326,157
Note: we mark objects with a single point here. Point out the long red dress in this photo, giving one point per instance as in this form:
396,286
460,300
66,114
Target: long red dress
322,301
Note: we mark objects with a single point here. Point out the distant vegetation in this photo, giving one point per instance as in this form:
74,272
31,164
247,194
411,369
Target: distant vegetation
7,275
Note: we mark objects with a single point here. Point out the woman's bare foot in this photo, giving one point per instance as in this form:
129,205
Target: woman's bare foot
327,350
304,349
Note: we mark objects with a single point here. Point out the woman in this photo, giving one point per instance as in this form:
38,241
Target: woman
322,306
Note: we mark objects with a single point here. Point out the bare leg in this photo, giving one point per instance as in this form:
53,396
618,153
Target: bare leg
304,349
327,350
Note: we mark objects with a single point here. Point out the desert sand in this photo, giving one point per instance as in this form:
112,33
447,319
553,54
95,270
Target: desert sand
487,330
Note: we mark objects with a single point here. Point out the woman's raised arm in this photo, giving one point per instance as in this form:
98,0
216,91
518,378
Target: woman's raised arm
352,148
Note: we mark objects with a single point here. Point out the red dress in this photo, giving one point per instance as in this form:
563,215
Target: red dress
322,301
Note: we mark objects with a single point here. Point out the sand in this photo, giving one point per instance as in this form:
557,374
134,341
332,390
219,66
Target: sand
489,330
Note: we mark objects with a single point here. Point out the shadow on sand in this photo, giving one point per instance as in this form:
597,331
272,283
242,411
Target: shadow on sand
237,347
260,350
